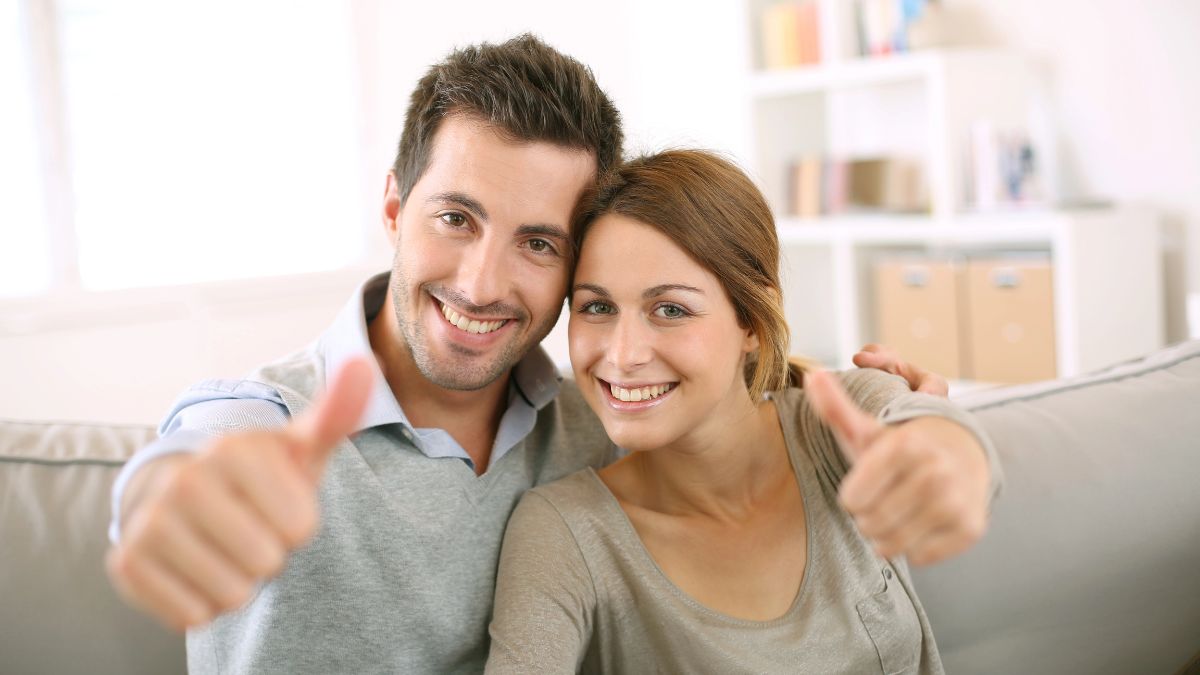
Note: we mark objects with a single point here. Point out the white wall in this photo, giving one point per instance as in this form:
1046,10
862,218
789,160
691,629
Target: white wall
1127,83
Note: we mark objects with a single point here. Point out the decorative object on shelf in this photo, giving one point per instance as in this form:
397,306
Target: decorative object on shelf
790,34
1002,169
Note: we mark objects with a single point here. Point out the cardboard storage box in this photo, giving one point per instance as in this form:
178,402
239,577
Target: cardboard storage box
917,312
1009,327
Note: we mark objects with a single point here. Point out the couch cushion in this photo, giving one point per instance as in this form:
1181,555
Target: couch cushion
1092,560
59,614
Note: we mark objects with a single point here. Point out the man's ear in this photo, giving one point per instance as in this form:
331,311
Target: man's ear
391,208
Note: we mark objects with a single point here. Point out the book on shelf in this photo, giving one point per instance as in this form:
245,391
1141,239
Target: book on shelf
883,26
831,186
790,35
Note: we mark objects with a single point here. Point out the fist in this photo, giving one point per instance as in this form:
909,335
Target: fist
208,527
919,489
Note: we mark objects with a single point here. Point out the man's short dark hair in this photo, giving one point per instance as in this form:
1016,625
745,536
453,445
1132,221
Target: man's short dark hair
525,88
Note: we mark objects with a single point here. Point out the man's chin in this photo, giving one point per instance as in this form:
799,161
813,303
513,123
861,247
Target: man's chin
463,373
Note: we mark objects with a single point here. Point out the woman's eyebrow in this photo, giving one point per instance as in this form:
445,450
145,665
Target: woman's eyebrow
663,288
598,290
647,294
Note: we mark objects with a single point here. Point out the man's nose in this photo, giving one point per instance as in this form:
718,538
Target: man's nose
484,274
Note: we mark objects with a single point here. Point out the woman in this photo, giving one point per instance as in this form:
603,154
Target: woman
738,535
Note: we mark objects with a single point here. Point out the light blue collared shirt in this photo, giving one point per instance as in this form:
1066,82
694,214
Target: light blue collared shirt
215,407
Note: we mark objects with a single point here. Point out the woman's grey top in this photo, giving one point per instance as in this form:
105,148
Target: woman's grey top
578,591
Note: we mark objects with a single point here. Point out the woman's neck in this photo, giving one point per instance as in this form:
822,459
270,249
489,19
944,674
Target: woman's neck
722,475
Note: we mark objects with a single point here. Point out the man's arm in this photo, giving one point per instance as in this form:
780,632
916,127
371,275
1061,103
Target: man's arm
194,531
885,358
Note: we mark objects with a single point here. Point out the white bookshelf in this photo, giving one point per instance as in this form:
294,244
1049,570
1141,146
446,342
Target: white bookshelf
921,105
1107,276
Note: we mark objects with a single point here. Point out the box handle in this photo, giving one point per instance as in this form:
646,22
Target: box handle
1006,277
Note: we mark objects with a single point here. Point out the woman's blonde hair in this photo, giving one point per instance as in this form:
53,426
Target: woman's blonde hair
712,210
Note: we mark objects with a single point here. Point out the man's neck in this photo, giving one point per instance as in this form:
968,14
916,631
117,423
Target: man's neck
472,418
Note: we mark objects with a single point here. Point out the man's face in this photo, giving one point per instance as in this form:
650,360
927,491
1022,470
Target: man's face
482,250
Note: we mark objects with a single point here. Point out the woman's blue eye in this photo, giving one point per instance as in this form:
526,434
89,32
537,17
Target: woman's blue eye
596,307
671,311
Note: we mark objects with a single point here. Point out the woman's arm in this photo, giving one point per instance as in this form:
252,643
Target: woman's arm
545,600
920,474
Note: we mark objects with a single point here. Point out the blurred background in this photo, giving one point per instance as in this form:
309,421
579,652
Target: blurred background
1005,191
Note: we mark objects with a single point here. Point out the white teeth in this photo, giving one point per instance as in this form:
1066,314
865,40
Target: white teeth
469,325
639,394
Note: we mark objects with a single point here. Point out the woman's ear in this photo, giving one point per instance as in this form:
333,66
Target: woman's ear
750,342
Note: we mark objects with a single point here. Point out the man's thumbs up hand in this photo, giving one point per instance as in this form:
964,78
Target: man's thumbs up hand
202,529
917,489
334,417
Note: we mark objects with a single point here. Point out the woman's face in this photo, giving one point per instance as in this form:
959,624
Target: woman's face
655,342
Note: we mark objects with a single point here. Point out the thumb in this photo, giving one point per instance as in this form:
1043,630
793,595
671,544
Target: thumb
853,428
335,415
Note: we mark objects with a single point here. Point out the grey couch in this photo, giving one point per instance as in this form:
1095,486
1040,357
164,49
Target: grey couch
1091,565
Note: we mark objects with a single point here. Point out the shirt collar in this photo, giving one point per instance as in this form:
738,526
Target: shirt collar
535,378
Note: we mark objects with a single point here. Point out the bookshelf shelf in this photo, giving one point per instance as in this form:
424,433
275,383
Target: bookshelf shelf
1039,229
921,106
858,72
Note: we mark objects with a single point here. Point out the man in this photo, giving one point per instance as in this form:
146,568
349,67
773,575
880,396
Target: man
434,369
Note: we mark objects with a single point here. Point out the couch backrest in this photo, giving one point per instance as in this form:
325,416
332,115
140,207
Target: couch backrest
1091,564
1092,560
58,613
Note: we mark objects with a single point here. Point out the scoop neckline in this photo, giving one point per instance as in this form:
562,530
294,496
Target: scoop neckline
639,546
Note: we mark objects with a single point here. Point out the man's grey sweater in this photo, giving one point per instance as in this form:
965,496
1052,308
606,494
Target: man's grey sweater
400,576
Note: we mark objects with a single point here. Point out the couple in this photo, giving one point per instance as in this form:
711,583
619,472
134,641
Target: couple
725,540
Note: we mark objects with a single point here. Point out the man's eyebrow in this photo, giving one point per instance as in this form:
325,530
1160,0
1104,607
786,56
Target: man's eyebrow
461,199
552,231
663,288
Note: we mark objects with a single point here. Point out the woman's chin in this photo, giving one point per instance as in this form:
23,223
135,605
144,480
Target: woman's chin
634,441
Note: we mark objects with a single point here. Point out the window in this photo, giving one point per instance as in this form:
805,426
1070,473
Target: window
204,141
25,266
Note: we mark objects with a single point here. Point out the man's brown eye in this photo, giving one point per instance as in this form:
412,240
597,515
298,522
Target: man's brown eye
539,245
453,219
